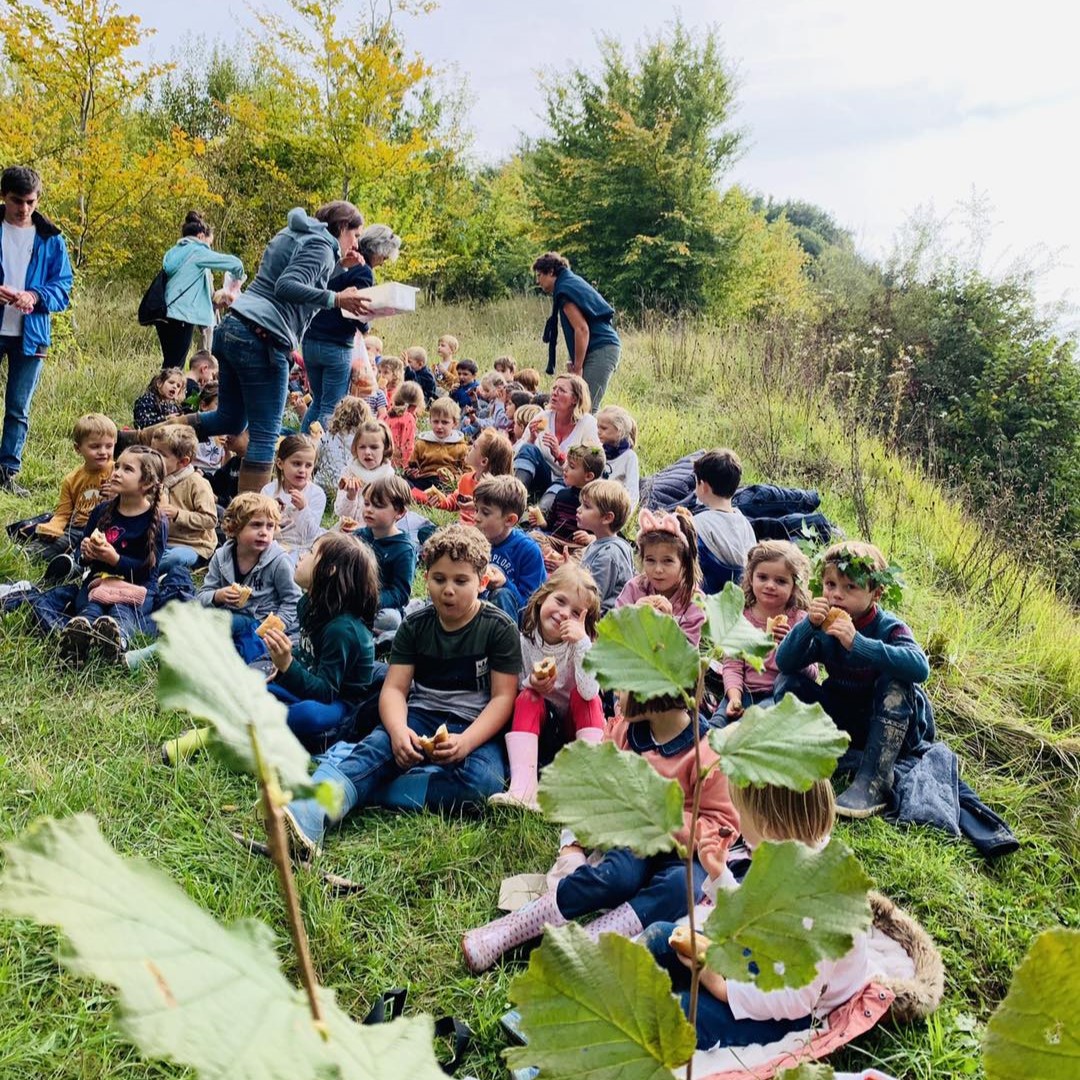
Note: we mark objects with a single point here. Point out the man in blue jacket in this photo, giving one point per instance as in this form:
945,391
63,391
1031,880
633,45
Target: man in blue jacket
35,281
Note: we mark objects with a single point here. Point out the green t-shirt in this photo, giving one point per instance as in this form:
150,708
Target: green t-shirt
452,669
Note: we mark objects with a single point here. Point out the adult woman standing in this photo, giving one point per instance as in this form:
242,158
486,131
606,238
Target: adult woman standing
329,339
585,316
568,422
189,265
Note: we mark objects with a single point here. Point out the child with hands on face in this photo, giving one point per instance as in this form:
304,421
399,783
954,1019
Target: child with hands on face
302,502
558,625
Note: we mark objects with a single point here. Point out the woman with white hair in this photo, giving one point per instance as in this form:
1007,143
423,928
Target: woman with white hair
328,342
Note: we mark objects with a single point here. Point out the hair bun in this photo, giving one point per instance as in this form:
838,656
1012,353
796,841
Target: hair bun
194,217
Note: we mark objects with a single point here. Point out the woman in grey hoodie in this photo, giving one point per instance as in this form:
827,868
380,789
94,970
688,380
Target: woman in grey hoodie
264,326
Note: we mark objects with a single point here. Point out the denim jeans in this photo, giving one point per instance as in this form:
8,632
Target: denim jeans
248,644
253,378
366,772
22,379
178,555
54,609
328,367
716,1024
655,887
537,472
599,366
317,724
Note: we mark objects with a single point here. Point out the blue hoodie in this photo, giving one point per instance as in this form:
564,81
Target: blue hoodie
290,287
49,277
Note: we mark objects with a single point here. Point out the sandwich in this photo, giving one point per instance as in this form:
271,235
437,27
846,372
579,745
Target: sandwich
243,594
98,537
316,431
271,622
428,743
544,669
774,621
680,942
834,614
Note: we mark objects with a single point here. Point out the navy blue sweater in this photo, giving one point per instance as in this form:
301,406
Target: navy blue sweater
396,556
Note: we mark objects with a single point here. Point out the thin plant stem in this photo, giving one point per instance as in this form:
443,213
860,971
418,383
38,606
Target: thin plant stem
279,853
695,968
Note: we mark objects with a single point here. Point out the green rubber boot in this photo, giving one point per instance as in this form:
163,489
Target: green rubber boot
185,746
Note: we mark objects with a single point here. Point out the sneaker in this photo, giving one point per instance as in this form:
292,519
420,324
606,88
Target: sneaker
300,843
11,486
74,647
109,639
60,568
14,588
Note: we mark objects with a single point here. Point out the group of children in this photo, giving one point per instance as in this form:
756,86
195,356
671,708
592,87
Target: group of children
492,660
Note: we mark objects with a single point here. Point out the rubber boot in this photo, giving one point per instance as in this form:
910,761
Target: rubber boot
521,749
622,920
253,477
185,746
869,791
484,945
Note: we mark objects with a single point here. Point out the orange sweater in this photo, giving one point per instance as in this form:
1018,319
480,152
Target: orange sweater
80,492
403,432
674,760
466,489
430,456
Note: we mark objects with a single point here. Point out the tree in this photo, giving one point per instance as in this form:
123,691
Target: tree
814,227
77,88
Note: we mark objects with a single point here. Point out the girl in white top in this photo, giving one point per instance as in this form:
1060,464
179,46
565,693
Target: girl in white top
372,451
737,1013
302,502
618,436
335,445
558,626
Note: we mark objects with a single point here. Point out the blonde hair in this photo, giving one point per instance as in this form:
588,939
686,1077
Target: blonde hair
95,423
580,389
780,814
622,421
609,497
445,406
569,576
450,340
496,448
392,366
796,563
493,380
179,440
373,343
529,379
526,414
248,505
203,358
374,427
408,393
350,413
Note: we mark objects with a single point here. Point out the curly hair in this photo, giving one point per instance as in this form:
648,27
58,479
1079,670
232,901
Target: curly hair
244,507
350,413
458,543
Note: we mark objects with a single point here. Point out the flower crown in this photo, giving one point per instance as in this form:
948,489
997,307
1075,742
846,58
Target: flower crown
861,570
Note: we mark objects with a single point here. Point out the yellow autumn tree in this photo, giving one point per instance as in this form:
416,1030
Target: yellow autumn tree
71,112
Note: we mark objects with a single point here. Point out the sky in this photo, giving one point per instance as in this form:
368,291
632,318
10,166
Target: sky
872,111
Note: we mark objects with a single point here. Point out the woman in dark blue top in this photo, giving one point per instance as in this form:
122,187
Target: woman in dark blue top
329,339
585,317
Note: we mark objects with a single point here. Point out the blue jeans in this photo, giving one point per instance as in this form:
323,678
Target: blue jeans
530,461
366,770
316,724
54,609
716,1024
655,887
178,556
248,644
329,369
253,379
22,379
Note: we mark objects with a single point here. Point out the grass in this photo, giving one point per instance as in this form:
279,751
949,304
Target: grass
1006,685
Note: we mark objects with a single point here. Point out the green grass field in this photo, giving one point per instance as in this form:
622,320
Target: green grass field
1006,684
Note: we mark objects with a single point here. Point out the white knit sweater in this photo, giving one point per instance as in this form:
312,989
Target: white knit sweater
570,672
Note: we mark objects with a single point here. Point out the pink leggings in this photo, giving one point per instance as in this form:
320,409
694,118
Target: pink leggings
530,709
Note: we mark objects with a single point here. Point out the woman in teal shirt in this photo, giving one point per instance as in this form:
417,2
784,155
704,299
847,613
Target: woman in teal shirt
188,292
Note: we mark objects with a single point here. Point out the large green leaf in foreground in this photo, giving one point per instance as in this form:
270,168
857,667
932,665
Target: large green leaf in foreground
611,799
1035,1032
729,634
639,650
202,673
787,745
192,991
796,907
599,1010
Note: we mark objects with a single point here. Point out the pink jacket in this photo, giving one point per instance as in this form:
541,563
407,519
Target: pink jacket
690,617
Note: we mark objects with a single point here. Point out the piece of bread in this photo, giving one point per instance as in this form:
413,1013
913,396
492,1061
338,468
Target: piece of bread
774,621
539,423
98,537
243,594
428,743
316,431
307,399
680,942
271,622
545,669
834,614
349,524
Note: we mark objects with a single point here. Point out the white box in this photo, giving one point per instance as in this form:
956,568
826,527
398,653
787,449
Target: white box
393,298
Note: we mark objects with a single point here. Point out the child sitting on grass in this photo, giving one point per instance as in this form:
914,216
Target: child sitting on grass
302,502
202,370
617,430
465,393
188,502
385,502
874,666
724,535
225,483
391,375
210,452
335,446
636,891
490,411
558,625
490,455
603,511
505,366
372,449
517,564
446,366
417,371
455,662
734,1012
439,454
408,405
162,399
59,533
555,531
667,548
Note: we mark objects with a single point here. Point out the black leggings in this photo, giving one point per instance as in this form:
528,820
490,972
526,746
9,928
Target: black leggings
175,338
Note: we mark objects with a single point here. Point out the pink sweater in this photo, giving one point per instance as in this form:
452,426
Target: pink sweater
674,760
739,675
690,617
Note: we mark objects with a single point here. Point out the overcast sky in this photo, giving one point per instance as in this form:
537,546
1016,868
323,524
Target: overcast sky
869,110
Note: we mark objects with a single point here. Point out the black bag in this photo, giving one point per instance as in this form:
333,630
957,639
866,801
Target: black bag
152,307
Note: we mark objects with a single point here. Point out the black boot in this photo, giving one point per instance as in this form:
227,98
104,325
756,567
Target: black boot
869,791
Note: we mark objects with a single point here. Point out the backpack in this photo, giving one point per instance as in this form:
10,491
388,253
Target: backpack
152,307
